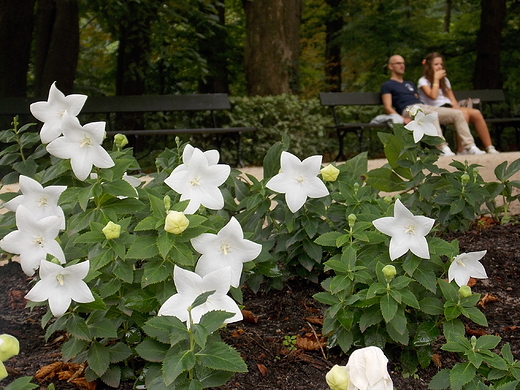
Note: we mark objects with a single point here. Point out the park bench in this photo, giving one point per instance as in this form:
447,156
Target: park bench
488,97
114,105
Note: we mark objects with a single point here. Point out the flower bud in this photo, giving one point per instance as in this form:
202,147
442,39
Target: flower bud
176,222
352,220
356,187
329,173
55,261
412,111
388,199
464,178
338,378
111,230
3,371
120,140
167,202
389,271
465,291
9,346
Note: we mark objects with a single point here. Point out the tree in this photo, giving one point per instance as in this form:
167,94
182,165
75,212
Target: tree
487,67
334,24
16,26
272,46
56,45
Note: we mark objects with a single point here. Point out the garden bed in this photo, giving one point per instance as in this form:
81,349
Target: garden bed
291,316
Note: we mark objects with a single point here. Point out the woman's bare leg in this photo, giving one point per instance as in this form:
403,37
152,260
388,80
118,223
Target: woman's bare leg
474,116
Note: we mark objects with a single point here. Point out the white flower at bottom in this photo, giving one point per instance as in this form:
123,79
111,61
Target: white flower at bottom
423,125
367,370
407,231
82,145
465,266
60,285
190,285
298,180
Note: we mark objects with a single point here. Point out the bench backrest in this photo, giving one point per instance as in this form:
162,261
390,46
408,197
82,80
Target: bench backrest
485,95
141,103
350,98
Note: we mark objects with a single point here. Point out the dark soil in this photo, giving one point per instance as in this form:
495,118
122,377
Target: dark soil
278,315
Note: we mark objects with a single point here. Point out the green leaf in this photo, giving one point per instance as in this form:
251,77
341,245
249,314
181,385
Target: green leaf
148,223
388,307
119,352
103,328
23,383
328,239
220,356
202,298
175,363
440,381
164,243
166,329
72,347
384,179
156,271
426,278
432,306
77,327
144,247
119,187
461,374
98,358
151,350
112,376
124,270
426,334
214,319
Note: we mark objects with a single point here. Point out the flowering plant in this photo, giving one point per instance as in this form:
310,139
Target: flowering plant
142,273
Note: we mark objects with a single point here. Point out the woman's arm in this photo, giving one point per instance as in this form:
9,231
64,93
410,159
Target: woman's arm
433,91
450,95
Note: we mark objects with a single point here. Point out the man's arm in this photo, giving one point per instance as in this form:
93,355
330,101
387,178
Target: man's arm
389,109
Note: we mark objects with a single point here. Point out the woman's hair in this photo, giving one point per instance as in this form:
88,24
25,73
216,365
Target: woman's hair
428,71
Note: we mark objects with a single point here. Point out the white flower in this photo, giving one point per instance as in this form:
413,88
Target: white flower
298,180
34,239
227,248
198,179
407,231
51,112
465,266
60,285
213,156
423,125
190,285
367,370
43,202
82,144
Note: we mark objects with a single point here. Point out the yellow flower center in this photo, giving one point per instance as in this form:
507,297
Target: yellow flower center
225,248
43,201
420,122
195,181
86,142
60,278
60,113
299,179
38,240
460,261
410,229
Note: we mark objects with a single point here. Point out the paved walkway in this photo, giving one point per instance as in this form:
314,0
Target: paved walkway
488,164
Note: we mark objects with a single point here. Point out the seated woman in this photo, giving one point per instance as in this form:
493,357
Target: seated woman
435,90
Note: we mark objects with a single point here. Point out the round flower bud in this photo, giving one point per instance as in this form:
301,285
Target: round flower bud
464,178
9,346
388,199
176,222
465,291
111,230
3,371
338,378
329,173
120,140
352,220
389,271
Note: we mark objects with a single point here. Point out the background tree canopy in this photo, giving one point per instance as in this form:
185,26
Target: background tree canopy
240,47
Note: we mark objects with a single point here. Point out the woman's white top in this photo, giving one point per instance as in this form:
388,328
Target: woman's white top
441,99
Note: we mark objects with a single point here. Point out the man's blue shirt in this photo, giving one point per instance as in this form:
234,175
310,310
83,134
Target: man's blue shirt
403,94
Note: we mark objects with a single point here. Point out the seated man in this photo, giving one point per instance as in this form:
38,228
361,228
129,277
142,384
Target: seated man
402,94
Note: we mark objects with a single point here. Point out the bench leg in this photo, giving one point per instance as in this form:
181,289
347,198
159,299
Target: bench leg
341,136
239,162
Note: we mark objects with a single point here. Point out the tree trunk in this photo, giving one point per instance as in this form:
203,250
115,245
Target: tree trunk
487,68
333,26
214,49
57,45
272,48
447,16
16,25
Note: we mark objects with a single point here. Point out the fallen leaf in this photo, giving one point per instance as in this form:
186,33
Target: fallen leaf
249,317
263,369
315,320
475,332
308,342
69,372
472,282
237,333
511,328
487,298
436,359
